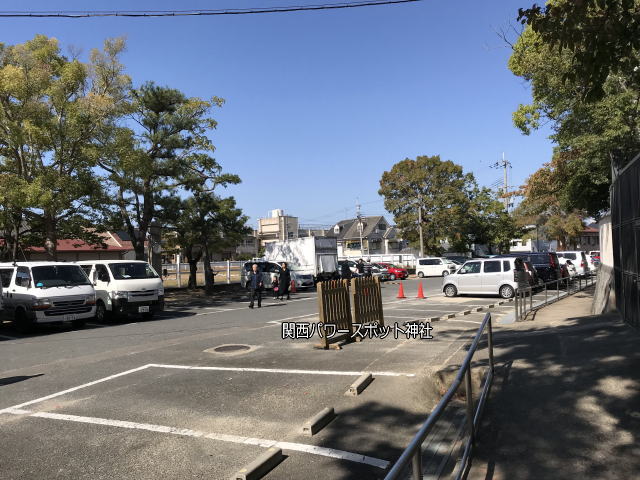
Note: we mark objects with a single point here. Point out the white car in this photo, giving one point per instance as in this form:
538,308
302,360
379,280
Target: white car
571,268
46,292
579,259
488,276
435,267
124,287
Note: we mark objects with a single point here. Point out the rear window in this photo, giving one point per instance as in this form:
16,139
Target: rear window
506,265
492,267
569,255
539,258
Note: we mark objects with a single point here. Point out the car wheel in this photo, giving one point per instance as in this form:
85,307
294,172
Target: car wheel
23,324
450,291
148,316
507,291
78,323
392,277
101,312
420,275
445,273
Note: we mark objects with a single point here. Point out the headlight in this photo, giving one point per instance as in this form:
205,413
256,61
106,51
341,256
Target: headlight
90,300
117,294
41,304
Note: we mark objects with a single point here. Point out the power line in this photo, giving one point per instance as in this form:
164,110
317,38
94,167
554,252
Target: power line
194,13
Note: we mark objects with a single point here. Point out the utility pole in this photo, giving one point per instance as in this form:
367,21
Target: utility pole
359,217
505,165
420,230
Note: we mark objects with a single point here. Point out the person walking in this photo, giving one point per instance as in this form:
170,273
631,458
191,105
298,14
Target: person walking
345,270
360,267
284,282
255,285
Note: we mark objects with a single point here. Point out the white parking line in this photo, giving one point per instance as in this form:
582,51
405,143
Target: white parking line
293,318
185,432
69,390
282,370
463,321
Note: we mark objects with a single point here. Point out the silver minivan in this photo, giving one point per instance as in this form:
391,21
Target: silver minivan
487,276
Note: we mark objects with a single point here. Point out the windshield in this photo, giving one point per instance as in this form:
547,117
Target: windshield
132,271
58,276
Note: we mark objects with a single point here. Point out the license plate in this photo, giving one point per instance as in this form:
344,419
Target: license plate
70,318
144,309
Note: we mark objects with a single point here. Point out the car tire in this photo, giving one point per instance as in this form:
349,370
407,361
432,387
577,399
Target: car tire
78,323
420,274
148,316
22,322
445,273
101,312
392,277
450,290
507,291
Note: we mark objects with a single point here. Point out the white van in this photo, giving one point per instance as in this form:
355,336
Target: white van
125,286
435,267
579,260
46,292
487,276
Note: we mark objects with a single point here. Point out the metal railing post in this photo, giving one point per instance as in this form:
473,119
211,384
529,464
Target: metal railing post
469,394
516,305
417,464
545,293
557,290
228,271
530,299
490,344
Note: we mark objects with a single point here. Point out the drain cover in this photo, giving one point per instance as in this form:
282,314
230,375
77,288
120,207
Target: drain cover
231,348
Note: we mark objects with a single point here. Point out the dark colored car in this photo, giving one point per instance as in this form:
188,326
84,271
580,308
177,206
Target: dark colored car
545,263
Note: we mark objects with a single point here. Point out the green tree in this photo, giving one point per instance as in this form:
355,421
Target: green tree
488,223
52,111
167,151
428,195
589,134
204,224
602,38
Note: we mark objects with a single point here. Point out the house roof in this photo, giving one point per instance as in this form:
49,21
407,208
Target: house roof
349,228
113,243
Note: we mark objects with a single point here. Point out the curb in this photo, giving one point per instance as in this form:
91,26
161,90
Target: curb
260,466
318,422
359,385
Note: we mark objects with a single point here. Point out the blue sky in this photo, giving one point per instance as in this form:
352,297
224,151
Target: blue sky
319,105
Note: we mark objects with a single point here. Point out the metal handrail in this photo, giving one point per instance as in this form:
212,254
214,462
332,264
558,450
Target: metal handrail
413,453
524,294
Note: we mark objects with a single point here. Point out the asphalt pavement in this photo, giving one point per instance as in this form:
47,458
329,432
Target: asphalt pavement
157,399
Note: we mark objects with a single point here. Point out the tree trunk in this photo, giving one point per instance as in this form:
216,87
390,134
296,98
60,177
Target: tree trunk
193,272
208,273
51,238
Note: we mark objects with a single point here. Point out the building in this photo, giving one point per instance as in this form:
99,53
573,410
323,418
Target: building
378,237
277,227
73,250
589,238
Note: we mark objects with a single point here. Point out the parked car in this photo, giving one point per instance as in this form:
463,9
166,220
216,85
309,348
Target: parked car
394,271
271,270
595,254
496,276
579,259
125,287
435,267
379,272
46,292
459,259
571,268
546,264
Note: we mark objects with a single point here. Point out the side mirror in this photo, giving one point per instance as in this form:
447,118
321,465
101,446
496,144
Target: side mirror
461,272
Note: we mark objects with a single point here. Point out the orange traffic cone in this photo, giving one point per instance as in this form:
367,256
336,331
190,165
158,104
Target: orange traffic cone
420,292
293,287
401,291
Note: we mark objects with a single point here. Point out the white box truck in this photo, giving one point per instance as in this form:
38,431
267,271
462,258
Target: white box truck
310,259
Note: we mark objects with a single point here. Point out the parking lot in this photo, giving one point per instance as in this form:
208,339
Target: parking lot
157,399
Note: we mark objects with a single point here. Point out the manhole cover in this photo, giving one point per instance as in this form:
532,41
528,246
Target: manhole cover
231,348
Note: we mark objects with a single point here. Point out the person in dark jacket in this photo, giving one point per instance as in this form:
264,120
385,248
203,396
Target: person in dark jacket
360,267
255,285
284,282
345,270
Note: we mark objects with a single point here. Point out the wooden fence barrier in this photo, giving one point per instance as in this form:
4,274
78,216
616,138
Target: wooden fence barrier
334,308
366,298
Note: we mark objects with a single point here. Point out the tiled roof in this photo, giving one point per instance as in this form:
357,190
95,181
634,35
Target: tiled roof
113,243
